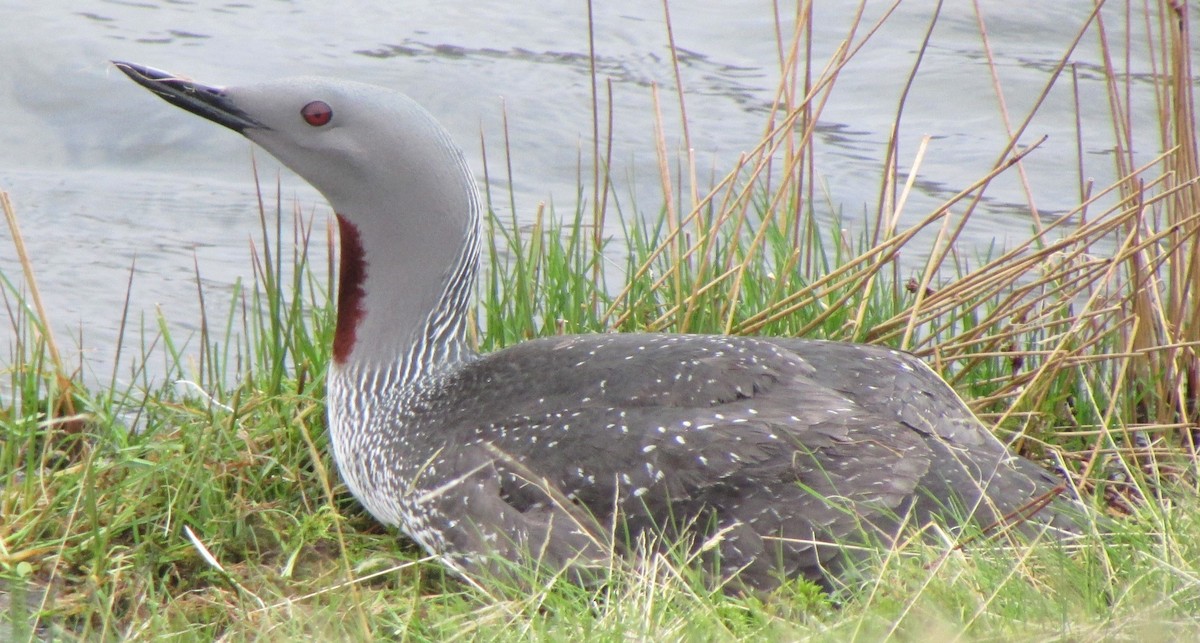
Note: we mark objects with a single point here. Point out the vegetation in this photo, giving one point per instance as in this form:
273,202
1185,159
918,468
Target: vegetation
214,511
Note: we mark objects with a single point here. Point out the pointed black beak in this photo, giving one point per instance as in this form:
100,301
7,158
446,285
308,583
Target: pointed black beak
202,100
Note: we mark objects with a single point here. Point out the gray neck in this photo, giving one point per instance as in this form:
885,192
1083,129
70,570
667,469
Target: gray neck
402,311
406,280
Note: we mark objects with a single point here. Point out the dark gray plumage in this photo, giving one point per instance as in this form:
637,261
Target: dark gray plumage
776,444
764,455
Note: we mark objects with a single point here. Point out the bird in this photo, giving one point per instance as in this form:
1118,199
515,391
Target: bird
767,459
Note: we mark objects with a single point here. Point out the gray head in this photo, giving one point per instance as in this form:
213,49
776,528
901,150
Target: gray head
337,134
399,185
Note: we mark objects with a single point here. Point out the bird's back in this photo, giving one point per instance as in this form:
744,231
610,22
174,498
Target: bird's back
769,446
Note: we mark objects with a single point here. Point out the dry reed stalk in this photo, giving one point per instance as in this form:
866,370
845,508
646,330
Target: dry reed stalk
63,414
1184,165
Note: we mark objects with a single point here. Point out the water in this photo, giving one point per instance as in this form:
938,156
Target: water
102,174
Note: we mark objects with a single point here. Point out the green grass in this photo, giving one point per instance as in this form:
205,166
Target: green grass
212,510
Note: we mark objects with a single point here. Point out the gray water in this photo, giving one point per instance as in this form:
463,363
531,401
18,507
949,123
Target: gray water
102,173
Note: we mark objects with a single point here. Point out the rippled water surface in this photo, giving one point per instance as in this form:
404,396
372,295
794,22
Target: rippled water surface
104,176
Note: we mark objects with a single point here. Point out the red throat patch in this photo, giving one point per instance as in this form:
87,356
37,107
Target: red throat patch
352,275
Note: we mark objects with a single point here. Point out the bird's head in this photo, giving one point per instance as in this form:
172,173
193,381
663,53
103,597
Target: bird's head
362,146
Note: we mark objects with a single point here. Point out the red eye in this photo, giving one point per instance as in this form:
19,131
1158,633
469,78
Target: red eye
317,113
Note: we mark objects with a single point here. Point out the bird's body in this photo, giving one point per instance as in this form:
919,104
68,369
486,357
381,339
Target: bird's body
763,453
778,444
